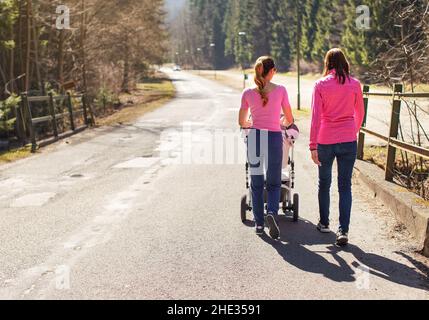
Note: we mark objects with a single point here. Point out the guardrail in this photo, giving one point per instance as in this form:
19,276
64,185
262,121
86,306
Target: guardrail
52,117
393,144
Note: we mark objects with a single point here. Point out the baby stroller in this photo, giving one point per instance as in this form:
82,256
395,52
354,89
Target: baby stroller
289,202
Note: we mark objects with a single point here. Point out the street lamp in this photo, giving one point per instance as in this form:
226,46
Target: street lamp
242,35
199,51
213,46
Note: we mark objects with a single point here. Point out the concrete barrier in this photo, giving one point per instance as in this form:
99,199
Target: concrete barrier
408,208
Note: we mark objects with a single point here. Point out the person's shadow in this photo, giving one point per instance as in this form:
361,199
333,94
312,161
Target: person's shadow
296,238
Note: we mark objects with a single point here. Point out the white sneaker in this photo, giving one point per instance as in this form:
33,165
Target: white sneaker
260,230
342,238
323,229
273,226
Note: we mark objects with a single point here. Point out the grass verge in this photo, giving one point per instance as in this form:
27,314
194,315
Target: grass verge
147,97
15,154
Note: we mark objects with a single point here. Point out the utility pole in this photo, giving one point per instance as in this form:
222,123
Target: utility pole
213,46
199,60
242,36
298,52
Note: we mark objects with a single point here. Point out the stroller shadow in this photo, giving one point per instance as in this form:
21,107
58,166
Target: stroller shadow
293,248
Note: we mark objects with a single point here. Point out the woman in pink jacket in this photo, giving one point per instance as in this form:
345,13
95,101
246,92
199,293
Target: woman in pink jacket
337,116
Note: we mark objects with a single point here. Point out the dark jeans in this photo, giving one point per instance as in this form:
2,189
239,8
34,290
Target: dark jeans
345,153
265,155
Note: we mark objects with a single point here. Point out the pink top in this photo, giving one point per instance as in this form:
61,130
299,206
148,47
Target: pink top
268,117
338,111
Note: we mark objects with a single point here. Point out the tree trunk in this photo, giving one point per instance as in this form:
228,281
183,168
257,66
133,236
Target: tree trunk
3,74
20,44
12,62
82,45
61,60
28,50
125,83
36,58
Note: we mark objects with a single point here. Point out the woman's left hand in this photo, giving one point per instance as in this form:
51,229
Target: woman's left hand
284,122
315,157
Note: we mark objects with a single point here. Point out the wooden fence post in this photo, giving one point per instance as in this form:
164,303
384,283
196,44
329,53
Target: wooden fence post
104,104
52,112
85,112
70,107
361,141
393,132
20,123
91,111
29,120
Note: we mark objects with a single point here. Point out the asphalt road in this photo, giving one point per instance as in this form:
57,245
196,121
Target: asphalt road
147,211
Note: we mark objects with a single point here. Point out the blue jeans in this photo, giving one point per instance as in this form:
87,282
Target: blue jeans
265,156
345,153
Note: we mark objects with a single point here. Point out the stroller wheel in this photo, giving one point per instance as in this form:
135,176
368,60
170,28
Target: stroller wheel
296,207
244,208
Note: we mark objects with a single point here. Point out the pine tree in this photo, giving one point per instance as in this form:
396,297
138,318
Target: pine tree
309,27
281,42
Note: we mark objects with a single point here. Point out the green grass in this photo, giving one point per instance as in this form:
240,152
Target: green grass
152,94
163,86
16,154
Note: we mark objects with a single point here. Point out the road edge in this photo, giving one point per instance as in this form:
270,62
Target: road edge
403,204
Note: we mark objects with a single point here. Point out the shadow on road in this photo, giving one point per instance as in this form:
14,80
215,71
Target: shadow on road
293,248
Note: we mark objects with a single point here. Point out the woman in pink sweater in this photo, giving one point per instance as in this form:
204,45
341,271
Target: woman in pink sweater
337,116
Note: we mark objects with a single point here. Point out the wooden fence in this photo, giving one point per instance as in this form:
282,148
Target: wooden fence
393,144
27,120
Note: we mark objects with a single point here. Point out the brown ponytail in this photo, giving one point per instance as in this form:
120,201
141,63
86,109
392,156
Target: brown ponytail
262,67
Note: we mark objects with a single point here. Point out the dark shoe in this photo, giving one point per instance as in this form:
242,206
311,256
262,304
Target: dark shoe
260,230
323,229
342,238
273,227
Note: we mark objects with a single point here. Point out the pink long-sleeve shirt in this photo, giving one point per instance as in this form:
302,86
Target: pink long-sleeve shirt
337,111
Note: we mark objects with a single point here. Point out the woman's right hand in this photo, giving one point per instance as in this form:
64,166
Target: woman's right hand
315,157
247,125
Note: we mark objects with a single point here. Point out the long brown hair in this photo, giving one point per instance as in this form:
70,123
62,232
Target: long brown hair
336,60
263,66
